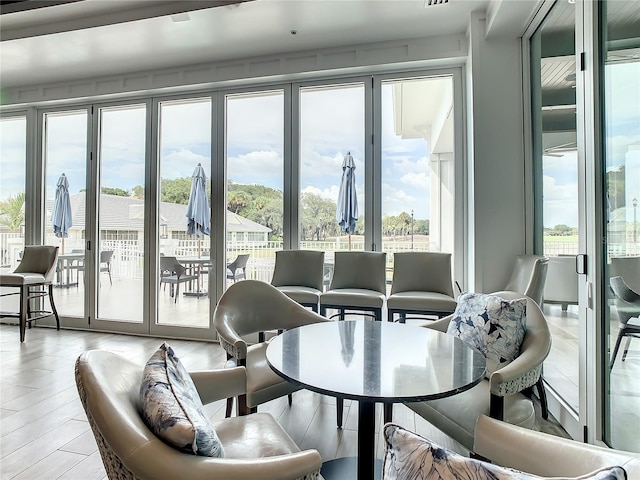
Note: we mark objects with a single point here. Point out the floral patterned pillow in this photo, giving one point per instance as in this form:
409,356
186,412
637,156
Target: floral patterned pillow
409,456
491,325
171,406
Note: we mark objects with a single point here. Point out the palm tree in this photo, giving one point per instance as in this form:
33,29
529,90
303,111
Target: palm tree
12,212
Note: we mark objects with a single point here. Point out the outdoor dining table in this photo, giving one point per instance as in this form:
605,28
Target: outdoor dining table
195,264
373,362
64,268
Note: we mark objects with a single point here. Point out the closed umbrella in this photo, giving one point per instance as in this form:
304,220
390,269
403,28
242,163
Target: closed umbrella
61,213
198,208
347,209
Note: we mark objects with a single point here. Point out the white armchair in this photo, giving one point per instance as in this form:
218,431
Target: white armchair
255,446
505,395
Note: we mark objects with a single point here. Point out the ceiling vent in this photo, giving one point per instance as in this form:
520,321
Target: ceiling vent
430,3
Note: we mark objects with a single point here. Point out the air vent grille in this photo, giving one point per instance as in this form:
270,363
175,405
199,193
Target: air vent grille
430,3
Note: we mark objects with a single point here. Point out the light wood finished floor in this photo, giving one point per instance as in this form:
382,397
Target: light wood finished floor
44,433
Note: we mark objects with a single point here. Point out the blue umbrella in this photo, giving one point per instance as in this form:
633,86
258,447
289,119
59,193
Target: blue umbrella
61,213
198,213
347,209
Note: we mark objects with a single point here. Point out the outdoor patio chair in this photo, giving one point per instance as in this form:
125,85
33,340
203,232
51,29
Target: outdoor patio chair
421,285
105,263
255,446
504,395
298,274
627,303
34,279
237,270
177,276
245,311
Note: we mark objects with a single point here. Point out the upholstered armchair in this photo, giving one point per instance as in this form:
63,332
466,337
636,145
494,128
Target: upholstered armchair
255,446
505,395
546,455
245,311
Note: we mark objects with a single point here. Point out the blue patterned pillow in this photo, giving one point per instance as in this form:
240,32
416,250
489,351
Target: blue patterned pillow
171,407
411,457
492,325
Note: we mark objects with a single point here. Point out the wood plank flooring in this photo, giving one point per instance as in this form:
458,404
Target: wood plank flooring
44,434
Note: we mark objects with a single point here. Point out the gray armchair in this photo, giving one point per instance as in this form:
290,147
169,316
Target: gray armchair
299,275
249,308
255,446
421,285
36,270
528,276
546,455
504,395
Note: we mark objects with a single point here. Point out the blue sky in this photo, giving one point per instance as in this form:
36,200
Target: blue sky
332,123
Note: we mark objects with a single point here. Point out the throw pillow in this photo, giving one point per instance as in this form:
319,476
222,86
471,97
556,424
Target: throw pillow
171,406
409,456
491,325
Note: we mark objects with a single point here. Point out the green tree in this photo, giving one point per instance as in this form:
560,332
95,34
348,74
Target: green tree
138,192
318,217
176,190
237,201
114,191
12,212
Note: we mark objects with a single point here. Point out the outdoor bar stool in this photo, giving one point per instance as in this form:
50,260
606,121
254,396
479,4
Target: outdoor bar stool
36,269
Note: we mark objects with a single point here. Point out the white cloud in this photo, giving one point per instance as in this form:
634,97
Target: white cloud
419,181
560,203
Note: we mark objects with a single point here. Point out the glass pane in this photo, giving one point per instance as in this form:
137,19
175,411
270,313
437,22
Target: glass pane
255,179
185,143
621,72
65,176
417,166
13,161
556,188
331,133
120,256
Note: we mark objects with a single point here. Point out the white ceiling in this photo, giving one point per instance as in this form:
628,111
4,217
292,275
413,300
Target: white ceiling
91,38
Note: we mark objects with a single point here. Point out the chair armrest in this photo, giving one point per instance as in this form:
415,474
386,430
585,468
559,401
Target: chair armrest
523,372
441,324
171,464
230,341
215,385
543,454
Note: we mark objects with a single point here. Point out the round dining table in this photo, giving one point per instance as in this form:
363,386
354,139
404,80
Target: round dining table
373,362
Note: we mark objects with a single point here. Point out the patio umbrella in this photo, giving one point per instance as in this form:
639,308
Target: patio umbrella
61,213
198,208
347,209
347,340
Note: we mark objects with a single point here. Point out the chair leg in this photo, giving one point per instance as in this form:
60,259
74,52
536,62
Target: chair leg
615,349
389,316
340,411
175,298
626,349
241,406
24,306
109,272
53,307
543,398
388,412
229,408
290,399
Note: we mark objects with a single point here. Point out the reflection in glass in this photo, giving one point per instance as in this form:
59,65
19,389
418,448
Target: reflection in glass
620,71
185,143
553,80
120,256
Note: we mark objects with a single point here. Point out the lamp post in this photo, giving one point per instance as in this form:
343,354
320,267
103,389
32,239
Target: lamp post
411,229
634,202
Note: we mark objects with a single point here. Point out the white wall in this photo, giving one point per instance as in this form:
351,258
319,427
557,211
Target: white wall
496,200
